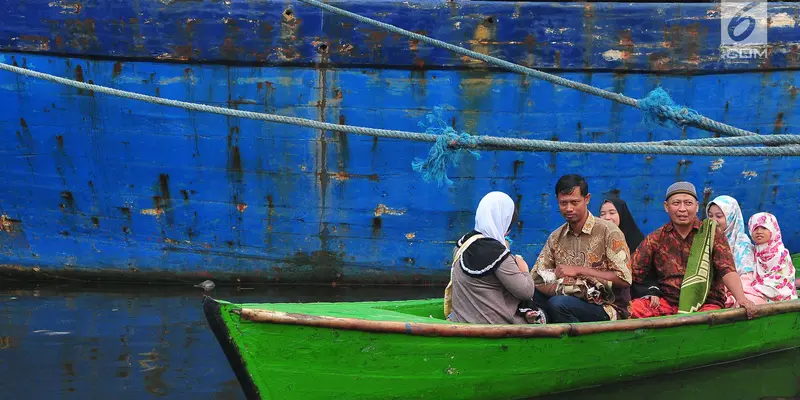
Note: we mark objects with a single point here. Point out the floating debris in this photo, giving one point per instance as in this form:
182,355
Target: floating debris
206,285
50,333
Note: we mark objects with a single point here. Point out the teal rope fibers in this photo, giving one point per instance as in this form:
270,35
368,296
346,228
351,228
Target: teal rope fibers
447,150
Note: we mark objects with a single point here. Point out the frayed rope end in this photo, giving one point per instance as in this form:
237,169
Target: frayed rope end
447,150
659,109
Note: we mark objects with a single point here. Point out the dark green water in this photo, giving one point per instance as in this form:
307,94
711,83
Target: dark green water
123,342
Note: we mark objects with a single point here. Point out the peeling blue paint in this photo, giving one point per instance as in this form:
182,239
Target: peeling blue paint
107,187
602,36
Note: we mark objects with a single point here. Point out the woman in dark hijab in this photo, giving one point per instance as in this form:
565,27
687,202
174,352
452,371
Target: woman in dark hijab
616,211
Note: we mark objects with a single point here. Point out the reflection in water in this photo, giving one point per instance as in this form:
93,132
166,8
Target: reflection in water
120,342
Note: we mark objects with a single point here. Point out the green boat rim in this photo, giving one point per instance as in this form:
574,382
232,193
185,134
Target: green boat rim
212,309
235,324
418,328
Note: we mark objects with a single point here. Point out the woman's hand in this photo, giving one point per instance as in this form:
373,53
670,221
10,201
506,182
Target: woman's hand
523,266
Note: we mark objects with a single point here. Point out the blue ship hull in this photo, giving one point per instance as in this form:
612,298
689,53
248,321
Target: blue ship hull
98,187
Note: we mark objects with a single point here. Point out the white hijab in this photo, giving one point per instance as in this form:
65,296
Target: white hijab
493,218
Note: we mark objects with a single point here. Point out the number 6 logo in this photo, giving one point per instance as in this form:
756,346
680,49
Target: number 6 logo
738,19
743,23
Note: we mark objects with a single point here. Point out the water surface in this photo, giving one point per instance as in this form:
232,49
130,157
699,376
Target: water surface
138,342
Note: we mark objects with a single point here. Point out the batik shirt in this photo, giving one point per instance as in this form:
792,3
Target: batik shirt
601,246
667,252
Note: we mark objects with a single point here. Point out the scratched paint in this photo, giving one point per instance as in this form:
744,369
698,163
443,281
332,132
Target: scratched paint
568,35
159,193
100,187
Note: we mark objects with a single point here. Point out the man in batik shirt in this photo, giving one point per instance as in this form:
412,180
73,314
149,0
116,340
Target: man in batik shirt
582,273
667,252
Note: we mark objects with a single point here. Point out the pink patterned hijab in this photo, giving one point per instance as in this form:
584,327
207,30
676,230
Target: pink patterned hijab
774,269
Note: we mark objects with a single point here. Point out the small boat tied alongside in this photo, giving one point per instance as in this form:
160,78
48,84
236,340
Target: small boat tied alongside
407,349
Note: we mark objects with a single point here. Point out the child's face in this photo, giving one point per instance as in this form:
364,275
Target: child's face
761,235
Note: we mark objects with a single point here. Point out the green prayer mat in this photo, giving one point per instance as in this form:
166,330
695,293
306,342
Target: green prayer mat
699,274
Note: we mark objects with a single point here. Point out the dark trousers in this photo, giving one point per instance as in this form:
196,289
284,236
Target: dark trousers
562,309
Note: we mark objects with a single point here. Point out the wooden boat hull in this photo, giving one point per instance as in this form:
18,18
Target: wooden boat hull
325,350
102,188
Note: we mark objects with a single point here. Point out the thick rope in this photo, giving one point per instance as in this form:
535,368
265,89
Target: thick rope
768,140
448,148
657,106
453,140
222,110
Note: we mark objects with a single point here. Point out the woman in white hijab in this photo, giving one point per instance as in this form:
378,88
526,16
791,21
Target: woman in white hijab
488,282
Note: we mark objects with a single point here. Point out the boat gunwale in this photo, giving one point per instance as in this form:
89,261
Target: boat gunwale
213,312
712,318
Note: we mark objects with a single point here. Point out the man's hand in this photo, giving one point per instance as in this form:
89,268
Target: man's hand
567,271
548,289
734,284
750,308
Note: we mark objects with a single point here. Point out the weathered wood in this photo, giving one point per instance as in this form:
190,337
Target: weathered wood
420,329
522,331
102,188
597,36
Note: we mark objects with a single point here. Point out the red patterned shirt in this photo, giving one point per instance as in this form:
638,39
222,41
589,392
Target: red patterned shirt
667,253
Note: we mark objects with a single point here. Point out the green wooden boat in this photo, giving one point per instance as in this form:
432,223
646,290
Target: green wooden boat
406,349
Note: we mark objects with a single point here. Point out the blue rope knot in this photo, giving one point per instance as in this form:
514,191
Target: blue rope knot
447,149
659,109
